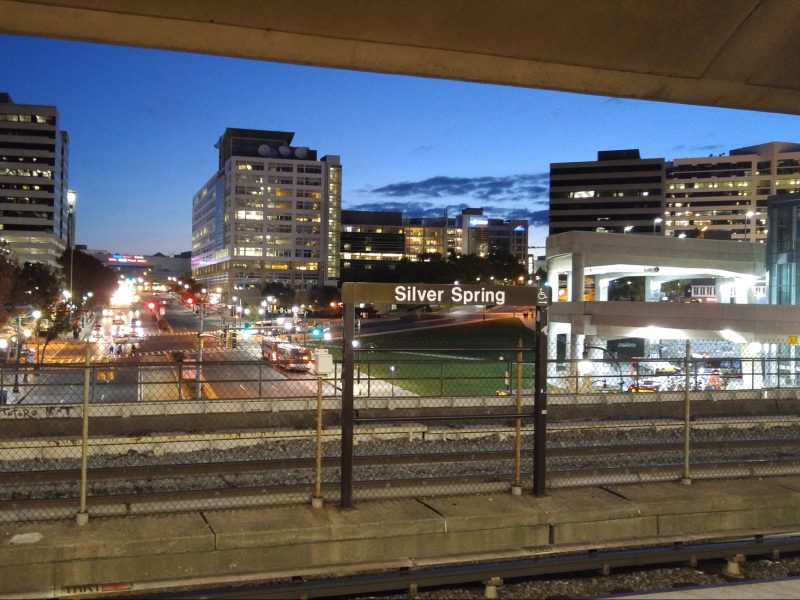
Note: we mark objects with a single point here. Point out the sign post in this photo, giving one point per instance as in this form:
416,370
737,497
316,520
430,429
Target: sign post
540,398
462,295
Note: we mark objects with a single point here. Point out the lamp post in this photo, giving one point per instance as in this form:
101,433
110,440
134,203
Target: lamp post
613,358
19,348
656,221
37,314
201,310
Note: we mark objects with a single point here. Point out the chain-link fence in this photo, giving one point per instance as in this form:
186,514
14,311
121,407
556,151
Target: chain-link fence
630,410
437,411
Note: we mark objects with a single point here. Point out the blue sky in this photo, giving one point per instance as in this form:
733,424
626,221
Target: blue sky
143,124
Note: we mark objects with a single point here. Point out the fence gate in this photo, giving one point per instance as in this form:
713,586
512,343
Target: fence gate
456,295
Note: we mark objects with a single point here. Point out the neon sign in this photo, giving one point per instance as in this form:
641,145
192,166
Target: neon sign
127,259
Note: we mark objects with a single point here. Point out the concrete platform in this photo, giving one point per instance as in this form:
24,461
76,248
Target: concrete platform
149,553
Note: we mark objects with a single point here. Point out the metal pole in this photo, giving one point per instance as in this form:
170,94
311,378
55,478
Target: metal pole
346,497
540,404
82,518
517,487
19,349
198,392
180,379
686,480
316,501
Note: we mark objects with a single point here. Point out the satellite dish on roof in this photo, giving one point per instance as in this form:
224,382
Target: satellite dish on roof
284,151
301,152
264,150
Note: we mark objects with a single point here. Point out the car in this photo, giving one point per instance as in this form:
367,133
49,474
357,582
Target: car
645,386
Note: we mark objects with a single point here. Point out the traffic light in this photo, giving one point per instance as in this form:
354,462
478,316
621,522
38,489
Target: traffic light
189,301
316,332
151,306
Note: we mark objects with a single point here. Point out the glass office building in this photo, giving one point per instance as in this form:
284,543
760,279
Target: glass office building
783,254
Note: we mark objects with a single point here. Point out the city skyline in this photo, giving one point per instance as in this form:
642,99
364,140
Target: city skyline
142,126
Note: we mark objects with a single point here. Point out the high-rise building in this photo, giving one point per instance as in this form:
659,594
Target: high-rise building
620,192
376,240
36,218
271,213
371,241
729,193
484,235
717,196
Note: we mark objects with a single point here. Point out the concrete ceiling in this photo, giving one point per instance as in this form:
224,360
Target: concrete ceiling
733,53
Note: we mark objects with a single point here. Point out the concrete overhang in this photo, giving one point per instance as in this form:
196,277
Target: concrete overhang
667,320
615,253
737,53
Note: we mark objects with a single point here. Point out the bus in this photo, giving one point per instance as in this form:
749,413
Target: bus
286,355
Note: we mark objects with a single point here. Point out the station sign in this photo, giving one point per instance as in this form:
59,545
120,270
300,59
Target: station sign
463,295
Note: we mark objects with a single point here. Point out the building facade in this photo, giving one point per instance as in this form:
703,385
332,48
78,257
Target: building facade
36,217
729,193
371,241
271,213
377,240
157,268
718,196
783,249
620,192
484,235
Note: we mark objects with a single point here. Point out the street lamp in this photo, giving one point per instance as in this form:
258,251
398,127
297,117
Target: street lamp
656,221
751,230
627,228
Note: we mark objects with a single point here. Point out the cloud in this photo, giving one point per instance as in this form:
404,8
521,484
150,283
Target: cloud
429,209
707,148
509,188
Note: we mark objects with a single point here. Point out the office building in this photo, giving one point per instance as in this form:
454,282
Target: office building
271,213
620,192
377,240
483,235
157,268
783,249
36,217
371,241
729,193
718,196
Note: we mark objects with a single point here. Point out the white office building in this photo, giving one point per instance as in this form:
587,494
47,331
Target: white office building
271,213
36,217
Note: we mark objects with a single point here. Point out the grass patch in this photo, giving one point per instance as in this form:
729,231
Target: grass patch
473,359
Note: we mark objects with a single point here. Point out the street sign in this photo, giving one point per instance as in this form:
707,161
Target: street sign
464,295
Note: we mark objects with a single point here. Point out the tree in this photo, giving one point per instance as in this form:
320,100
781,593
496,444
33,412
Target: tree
284,294
88,275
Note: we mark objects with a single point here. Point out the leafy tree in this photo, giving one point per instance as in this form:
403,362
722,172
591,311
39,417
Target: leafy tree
284,294
88,275
626,288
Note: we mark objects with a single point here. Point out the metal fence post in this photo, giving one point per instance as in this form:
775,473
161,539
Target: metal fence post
348,413
516,489
441,379
687,366
260,377
82,518
316,500
180,379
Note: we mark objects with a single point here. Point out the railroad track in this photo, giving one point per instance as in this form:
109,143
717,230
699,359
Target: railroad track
182,472
179,470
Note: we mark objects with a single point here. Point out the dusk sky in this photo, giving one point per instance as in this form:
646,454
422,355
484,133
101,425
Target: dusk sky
143,124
